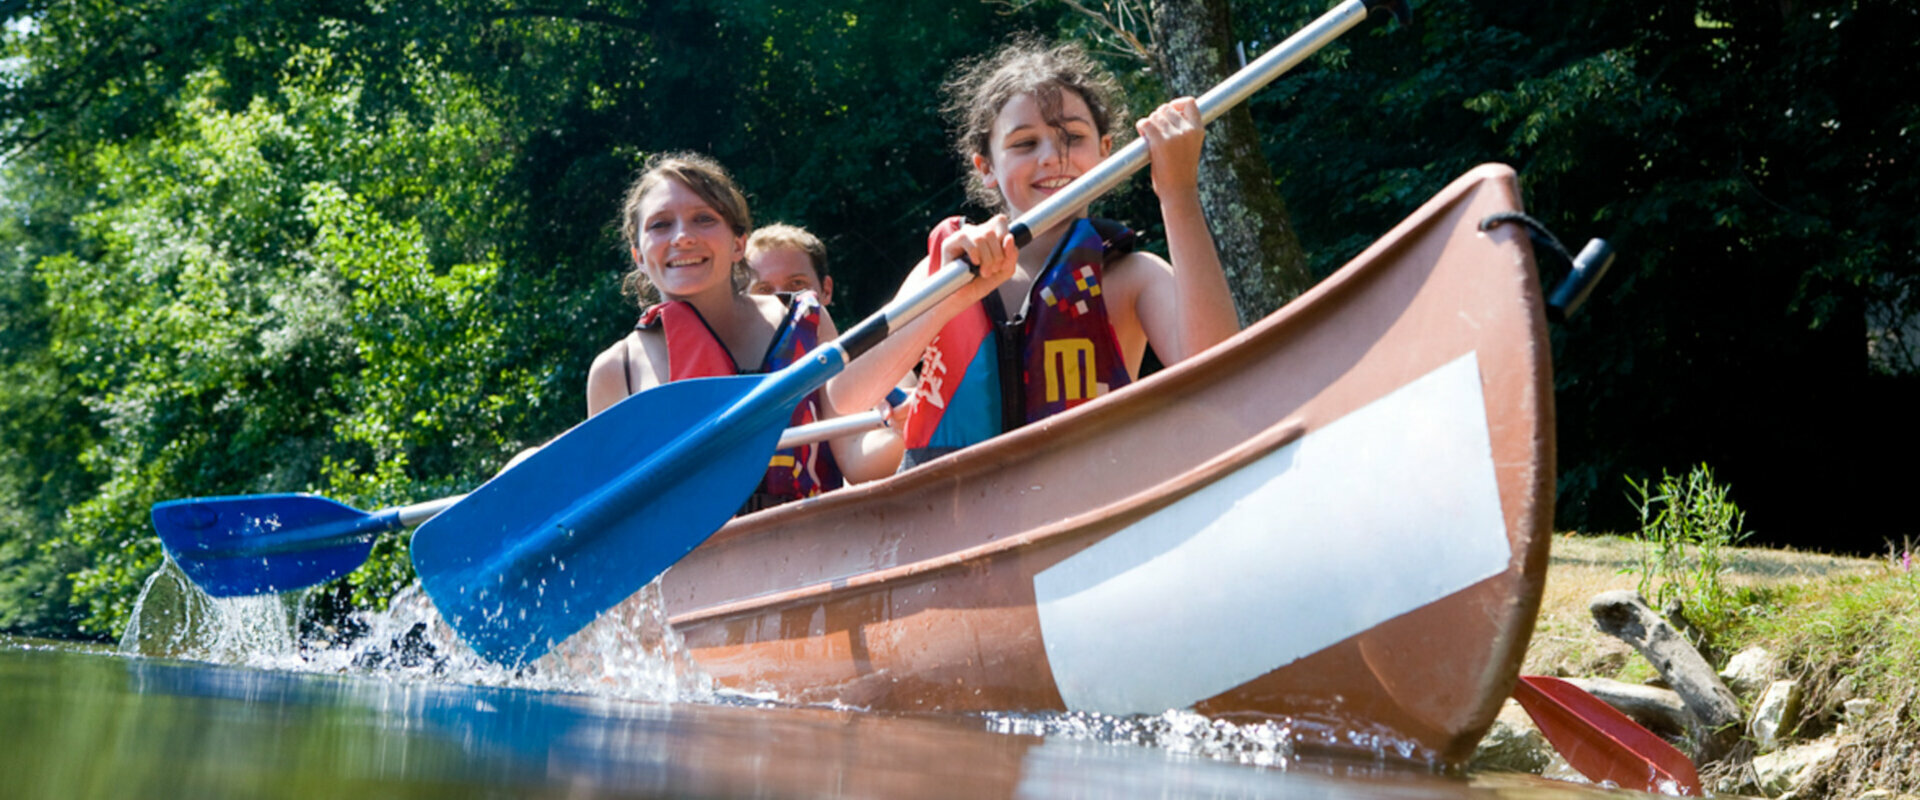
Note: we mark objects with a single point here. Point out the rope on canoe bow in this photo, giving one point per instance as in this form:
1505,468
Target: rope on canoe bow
1583,271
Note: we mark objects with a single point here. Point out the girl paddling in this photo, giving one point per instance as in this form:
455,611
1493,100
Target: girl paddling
1068,317
685,225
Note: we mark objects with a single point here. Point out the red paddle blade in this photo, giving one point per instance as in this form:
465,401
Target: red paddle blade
1602,743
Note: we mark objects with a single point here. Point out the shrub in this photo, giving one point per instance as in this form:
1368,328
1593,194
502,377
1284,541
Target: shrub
1686,523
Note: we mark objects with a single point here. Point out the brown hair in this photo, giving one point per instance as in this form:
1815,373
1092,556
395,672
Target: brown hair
705,178
981,86
792,237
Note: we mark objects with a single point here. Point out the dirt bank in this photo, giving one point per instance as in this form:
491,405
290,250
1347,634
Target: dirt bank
1847,629
1565,641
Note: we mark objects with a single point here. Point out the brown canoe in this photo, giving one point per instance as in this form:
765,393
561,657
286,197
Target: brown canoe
1339,517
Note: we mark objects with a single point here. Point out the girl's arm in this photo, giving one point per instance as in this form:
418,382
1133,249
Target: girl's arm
868,378
1187,308
869,456
864,456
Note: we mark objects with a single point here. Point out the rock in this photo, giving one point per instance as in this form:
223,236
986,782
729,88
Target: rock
1774,715
1750,670
1856,714
1658,710
1842,690
1793,768
1514,744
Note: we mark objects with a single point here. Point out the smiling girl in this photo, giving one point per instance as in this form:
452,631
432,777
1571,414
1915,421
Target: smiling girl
685,225
1068,317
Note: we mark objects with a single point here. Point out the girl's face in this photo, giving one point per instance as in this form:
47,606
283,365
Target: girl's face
787,269
1033,153
686,247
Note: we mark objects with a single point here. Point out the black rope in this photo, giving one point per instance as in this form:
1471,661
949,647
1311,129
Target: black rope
1536,230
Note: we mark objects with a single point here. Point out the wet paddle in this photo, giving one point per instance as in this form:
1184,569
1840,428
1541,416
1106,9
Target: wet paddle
535,554
1602,743
267,543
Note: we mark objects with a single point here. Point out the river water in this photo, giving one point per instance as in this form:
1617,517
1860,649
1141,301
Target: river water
234,698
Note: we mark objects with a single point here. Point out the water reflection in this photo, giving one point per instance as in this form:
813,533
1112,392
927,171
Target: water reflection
250,697
86,725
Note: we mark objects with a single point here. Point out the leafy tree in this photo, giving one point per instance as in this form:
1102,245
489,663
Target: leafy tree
368,251
1745,160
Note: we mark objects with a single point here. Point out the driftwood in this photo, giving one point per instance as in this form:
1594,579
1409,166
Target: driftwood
1659,710
1715,711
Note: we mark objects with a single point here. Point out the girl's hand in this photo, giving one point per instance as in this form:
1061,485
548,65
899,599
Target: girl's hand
896,414
1174,134
990,247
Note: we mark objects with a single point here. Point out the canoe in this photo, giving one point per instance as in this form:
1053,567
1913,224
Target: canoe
1337,519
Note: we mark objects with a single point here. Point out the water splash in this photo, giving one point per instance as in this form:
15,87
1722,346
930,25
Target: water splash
173,619
630,652
1267,743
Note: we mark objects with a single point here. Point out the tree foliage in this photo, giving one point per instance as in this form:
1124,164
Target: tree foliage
1749,161
368,250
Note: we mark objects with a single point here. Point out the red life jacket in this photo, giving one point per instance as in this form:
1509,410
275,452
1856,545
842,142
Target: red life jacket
694,351
1063,349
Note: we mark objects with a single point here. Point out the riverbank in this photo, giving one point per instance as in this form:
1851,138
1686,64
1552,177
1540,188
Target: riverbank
1845,630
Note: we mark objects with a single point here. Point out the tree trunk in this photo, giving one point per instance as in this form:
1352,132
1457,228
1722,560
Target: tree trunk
1259,250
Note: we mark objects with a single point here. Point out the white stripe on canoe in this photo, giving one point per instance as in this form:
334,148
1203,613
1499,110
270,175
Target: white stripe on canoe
1377,514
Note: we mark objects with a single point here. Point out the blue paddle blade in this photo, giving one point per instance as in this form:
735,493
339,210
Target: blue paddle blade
535,554
262,544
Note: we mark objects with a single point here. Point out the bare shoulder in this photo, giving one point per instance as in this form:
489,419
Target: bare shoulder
1129,275
771,308
611,362
627,367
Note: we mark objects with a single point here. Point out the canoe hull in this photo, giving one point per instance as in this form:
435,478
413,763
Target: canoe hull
1340,517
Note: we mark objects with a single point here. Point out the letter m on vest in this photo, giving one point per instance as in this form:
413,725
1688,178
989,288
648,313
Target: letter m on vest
1070,370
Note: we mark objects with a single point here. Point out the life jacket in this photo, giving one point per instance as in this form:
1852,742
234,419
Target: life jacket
1063,348
694,351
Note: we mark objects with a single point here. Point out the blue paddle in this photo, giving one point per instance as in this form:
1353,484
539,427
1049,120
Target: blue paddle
267,543
535,554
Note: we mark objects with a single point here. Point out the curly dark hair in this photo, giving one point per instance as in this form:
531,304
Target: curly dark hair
981,86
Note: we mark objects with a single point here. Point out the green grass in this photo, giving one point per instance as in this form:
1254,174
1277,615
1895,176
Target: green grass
1852,637
1866,629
